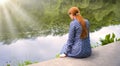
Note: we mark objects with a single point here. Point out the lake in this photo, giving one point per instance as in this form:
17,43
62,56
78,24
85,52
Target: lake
36,30
44,48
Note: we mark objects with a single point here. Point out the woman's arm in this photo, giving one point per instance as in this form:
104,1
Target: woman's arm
71,37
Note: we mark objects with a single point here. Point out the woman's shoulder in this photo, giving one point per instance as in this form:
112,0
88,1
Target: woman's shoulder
72,23
76,23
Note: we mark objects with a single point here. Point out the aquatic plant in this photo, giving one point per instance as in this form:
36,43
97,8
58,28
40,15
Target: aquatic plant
109,39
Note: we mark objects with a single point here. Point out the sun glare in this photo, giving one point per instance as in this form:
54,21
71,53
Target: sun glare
2,2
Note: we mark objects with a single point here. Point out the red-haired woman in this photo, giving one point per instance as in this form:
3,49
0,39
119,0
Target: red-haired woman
78,43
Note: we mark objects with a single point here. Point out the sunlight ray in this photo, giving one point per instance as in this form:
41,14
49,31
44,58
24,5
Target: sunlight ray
0,25
15,16
27,23
3,2
23,14
18,20
9,21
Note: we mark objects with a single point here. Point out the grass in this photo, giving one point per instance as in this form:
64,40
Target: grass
28,62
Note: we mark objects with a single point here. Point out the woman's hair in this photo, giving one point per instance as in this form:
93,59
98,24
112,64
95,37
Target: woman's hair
76,12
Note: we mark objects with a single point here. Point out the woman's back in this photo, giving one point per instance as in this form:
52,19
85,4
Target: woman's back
78,43
81,47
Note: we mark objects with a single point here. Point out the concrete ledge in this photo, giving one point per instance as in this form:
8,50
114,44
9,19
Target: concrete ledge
108,55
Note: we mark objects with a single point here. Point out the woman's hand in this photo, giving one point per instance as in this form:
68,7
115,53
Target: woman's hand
63,55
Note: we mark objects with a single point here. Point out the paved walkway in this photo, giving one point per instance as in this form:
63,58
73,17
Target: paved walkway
108,55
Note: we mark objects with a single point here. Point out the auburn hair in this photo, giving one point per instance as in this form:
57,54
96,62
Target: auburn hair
76,12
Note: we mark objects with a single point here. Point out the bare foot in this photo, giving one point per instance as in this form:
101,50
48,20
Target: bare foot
63,55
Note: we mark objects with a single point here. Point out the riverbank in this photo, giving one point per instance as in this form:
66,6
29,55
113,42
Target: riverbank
107,55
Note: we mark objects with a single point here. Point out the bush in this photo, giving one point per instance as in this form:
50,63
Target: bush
109,39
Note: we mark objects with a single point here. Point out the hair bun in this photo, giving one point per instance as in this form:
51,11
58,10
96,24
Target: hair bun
77,13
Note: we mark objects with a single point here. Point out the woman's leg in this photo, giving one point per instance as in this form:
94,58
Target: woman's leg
63,52
64,49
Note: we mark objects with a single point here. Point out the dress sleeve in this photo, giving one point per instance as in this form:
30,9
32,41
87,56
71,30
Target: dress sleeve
71,37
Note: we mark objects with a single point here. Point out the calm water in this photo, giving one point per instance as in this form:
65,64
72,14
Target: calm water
44,48
23,22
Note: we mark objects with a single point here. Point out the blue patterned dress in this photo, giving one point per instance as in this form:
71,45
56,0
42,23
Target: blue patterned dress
75,46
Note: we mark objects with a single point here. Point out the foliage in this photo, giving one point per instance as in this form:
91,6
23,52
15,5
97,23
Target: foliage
57,55
8,64
117,39
109,39
24,63
49,17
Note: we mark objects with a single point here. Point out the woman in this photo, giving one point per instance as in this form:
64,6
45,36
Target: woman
78,43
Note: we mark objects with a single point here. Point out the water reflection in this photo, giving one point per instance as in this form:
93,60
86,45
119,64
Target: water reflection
31,18
43,48
95,36
38,49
